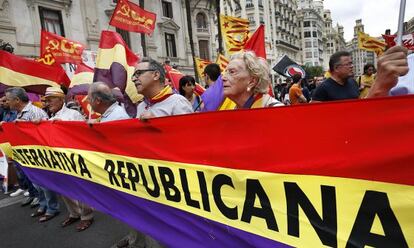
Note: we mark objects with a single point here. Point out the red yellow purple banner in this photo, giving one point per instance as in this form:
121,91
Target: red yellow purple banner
248,178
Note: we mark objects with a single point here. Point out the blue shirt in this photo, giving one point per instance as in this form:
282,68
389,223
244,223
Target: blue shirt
330,90
9,115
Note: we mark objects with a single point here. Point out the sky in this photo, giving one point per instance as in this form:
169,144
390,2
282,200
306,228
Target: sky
376,15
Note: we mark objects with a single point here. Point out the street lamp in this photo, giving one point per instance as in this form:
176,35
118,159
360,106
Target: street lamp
5,46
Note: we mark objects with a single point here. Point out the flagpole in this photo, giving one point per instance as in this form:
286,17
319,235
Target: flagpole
401,22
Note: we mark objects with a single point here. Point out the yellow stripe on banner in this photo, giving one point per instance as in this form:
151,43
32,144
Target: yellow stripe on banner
7,149
266,204
81,78
16,79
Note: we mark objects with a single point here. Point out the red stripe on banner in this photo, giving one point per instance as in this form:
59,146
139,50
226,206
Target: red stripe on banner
350,139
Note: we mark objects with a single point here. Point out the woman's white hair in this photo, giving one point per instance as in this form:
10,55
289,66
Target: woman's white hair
257,67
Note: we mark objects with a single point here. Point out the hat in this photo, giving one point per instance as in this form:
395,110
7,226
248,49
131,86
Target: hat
54,92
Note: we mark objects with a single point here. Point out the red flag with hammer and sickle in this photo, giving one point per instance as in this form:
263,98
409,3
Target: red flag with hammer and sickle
58,49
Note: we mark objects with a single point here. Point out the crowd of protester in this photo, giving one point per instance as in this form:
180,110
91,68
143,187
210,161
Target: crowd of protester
245,82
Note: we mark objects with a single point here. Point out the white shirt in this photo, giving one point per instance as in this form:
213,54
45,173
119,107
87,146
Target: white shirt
173,105
67,114
114,112
405,85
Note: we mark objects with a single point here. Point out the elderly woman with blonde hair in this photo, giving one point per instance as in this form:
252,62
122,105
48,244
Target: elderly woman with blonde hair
246,82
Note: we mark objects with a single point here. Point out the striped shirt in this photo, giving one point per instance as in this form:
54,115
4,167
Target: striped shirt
31,113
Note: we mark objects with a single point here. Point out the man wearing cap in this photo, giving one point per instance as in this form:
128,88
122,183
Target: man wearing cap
55,103
18,100
103,101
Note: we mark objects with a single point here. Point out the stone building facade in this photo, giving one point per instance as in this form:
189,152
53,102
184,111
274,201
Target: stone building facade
83,21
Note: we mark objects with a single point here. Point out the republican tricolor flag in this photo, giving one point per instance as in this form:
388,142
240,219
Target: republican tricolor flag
115,65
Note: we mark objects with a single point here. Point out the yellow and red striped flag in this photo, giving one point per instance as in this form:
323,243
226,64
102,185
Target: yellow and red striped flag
201,65
235,33
16,71
368,43
222,61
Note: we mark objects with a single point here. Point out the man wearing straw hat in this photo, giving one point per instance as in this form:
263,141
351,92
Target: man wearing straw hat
55,103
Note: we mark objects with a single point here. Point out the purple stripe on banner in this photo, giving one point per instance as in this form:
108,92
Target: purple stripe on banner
170,226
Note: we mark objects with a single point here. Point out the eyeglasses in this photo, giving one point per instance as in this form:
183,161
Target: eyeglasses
138,73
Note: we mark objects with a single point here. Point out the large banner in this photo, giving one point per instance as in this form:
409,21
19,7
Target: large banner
332,174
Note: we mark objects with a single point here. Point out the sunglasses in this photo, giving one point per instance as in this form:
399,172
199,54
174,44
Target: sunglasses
138,73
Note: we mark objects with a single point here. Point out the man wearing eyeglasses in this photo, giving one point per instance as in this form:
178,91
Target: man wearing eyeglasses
159,99
341,85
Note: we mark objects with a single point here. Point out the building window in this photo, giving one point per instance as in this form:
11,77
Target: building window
167,9
125,36
170,45
203,48
308,55
307,34
306,24
51,20
251,20
308,44
314,34
201,22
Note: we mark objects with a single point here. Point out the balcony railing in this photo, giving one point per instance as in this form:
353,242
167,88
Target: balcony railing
202,30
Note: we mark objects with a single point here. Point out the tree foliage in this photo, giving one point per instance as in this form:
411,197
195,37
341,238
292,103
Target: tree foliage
313,71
